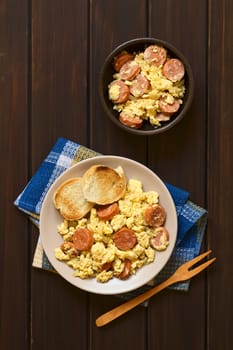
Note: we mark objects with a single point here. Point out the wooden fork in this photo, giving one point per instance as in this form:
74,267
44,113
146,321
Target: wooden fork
183,273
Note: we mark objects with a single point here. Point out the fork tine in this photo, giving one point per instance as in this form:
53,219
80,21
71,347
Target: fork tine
197,259
201,267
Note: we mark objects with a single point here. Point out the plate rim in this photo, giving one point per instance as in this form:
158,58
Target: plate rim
50,255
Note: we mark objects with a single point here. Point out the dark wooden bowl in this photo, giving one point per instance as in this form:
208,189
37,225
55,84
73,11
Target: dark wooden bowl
106,76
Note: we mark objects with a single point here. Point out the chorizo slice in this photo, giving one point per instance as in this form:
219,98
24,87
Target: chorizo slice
121,59
132,122
173,70
118,91
169,108
140,85
69,249
129,70
83,239
125,273
107,212
155,216
160,239
155,55
106,266
125,239
163,117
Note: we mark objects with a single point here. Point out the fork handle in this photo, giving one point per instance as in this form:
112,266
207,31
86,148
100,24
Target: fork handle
130,304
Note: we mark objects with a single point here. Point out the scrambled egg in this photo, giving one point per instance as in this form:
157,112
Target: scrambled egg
146,107
114,92
88,264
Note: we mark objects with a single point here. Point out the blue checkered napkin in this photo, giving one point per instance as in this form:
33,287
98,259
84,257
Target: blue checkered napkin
191,218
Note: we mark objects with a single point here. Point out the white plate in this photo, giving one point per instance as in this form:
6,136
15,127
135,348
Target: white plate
50,218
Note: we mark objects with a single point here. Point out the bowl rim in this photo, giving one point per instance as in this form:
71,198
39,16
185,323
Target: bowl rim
178,53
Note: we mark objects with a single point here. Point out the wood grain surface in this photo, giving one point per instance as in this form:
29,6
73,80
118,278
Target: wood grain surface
51,53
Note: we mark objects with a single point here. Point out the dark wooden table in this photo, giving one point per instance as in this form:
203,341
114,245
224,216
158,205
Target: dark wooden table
51,52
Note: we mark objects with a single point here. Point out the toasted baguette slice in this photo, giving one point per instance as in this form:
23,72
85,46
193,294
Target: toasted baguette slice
70,201
103,185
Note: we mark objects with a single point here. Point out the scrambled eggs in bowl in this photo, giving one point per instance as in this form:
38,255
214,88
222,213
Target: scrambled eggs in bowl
146,86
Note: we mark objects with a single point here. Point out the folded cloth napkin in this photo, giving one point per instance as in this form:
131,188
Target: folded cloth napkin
65,153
